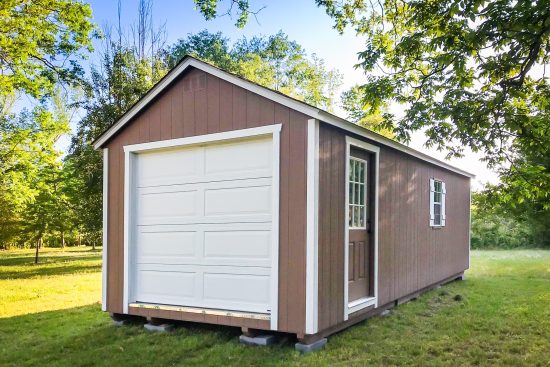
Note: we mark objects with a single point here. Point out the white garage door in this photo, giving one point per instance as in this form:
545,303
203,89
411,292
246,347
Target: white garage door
202,228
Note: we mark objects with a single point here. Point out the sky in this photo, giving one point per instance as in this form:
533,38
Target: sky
303,22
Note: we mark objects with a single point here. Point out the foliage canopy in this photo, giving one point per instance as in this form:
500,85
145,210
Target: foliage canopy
40,42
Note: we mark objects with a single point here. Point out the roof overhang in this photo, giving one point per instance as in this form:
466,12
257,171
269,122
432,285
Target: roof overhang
280,98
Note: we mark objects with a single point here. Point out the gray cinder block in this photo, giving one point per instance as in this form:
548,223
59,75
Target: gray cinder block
308,348
161,328
258,340
121,322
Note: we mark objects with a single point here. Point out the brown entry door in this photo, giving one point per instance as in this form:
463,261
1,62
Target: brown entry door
359,208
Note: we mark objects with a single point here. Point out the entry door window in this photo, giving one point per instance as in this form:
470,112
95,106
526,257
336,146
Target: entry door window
357,189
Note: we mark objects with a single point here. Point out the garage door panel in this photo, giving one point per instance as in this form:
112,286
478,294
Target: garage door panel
228,289
167,207
168,167
166,286
238,159
237,201
245,245
155,245
204,231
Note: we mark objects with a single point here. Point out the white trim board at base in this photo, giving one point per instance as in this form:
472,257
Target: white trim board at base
350,307
244,135
202,311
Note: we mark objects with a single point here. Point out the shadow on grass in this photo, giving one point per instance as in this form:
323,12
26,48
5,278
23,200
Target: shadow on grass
86,336
50,271
46,260
23,267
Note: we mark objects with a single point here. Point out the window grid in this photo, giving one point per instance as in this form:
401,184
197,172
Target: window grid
437,201
357,192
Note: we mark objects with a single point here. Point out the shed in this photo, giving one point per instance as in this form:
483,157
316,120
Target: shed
229,203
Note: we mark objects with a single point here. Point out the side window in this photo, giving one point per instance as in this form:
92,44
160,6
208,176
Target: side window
356,194
437,203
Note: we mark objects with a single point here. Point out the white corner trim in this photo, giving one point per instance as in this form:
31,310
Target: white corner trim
127,195
274,96
350,307
105,229
274,316
201,139
312,273
130,152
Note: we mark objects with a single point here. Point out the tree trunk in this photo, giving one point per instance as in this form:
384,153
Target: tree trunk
93,245
38,241
62,239
79,240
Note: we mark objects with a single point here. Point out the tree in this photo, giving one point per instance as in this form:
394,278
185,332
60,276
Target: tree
210,47
17,134
44,202
467,72
126,72
274,62
497,224
40,41
353,102
239,8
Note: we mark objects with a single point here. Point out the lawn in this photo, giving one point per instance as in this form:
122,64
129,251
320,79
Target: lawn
50,315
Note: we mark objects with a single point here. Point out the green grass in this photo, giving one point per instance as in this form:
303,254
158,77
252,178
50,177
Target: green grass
50,315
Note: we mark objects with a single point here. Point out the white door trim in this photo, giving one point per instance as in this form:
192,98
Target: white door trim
105,229
201,139
350,307
312,243
131,150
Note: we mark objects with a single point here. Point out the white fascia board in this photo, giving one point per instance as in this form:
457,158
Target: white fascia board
276,97
361,131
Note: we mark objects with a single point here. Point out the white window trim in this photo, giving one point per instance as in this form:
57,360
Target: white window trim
433,180
130,152
365,183
351,307
105,229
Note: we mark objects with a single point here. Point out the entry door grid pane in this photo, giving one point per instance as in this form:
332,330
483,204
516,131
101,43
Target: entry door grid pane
357,189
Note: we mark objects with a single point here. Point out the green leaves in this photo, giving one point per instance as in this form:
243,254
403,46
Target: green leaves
353,102
38,39
238,8
469,75
31,174
274,62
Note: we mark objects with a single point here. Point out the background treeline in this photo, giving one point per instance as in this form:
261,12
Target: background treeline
54,198
50,197
495,225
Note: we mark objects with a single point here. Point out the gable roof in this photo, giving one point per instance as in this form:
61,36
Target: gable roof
306,109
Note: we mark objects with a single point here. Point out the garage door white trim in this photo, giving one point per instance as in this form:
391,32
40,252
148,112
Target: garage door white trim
130,153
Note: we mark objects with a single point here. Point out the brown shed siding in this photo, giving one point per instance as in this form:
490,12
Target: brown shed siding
196,104
411,254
